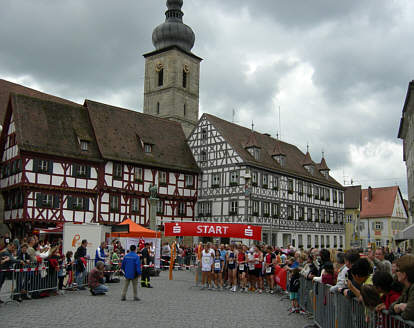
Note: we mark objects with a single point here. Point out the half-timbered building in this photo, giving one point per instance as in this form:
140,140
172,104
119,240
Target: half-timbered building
251,177
63,162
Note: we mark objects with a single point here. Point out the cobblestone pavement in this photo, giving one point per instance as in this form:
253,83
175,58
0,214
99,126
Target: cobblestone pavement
174,303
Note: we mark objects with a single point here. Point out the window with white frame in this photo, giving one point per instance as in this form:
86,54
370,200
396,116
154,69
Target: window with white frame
43,165
265,180
300,241
316,192
47,200
328,241
290,186
215,180
275,210
290,215
162,178
135,205
203,156
204,208
309,241
114,203
309,213
189,181
341,197
138,174
316,241
322,241
335,196
255,207
78,202
160,206
341,241
234,178
182,209
322,213
300,187
317,216
266,209
84,145
204,134
234,207
327,194
378,242
301,213
83,169
255,178
335,241
309,191
147,148
378,225
118,171
275,183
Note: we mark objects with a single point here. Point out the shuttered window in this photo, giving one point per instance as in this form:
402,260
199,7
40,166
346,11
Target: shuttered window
42,166
47,200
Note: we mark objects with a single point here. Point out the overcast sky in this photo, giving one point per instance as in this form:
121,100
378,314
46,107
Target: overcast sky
338,70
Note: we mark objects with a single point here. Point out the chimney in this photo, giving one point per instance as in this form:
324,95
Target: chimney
369,193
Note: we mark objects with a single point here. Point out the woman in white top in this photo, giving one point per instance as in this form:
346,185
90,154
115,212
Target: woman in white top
207,260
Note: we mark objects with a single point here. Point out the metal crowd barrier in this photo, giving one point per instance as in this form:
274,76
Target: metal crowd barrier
333,310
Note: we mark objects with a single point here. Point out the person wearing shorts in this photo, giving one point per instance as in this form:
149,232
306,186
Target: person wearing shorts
241,261
258,260
270,262
232,267
218,270
207,258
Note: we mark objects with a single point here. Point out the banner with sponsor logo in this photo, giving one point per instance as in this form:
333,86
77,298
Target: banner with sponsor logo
202,229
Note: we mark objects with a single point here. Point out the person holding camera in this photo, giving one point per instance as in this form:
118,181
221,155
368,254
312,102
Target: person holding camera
96,280
131,267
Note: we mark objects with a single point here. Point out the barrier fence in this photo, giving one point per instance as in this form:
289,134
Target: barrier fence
333,310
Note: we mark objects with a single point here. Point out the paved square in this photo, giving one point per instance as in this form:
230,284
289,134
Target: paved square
170,304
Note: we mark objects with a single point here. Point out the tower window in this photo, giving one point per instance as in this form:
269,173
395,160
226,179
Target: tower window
184,79
158,108
161,77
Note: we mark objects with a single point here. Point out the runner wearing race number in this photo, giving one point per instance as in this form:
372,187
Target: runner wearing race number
258,259
231,260
270,262
241,261
207,259
250,266
218,270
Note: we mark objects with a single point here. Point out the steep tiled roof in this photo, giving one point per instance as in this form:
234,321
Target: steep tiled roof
7,87
307,160
53,128
121,132
252,142
323,166
277,151
236,136
382,203
353,197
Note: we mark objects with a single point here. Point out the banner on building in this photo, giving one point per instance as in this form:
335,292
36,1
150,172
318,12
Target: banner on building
202,229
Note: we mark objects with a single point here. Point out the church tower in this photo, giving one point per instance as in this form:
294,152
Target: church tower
172,71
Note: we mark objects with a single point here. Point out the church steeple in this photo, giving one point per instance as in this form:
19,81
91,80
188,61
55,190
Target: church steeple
172,71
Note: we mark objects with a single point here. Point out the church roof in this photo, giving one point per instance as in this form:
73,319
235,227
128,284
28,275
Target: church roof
235,135
52,128
118,132
7,87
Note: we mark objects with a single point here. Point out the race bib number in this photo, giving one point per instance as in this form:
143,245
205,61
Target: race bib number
241,267
251,266
206,260
231,261
217,266
269,270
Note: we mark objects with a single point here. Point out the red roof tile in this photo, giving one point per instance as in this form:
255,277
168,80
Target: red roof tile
382,203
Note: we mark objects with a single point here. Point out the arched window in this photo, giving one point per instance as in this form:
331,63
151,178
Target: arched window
161,77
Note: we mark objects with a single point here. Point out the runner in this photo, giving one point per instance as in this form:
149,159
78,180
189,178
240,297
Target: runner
258,260
232,268
251,273
207,258
270,262
218,270
241,260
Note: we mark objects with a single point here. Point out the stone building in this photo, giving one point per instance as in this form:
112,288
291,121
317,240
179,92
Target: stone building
353,207
172,71
383,216
251,177
406,133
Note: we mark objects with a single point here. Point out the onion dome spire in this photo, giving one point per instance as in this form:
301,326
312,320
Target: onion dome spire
173,32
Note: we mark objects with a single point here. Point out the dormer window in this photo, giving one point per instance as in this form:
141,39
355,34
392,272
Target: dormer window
255,152
147,148
281,159
84,144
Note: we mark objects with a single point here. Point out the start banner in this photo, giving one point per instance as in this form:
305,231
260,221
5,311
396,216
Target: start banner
202,229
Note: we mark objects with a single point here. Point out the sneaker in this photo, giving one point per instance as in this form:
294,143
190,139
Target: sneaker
210,288
234,289
271,292
123,299
245,289
137,299
260,291
221,288
92,292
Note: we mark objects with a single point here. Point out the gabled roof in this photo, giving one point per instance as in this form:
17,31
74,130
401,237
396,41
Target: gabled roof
277,151
252,142
118,132
6,88
352,197
382,203
307,160
52,128
323,166
235,135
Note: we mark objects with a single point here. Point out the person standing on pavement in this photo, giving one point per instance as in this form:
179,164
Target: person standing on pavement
146,261
100,253
7,259
80,256
95,280
131,267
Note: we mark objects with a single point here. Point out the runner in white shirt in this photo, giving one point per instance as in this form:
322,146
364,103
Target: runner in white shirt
207,260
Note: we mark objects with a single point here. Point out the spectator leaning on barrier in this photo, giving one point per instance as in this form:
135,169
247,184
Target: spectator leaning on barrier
362,275
351,256
80,266
95,280
387,287
405,272
342,271
131,267
30,250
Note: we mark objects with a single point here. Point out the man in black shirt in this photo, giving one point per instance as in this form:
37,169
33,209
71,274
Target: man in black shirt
145,260
80,256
